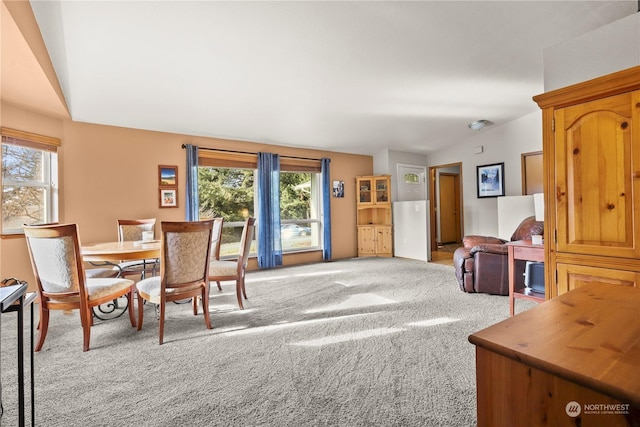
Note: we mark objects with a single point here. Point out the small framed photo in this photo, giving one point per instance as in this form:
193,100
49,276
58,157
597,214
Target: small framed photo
168,197
338,188
490,180
167,176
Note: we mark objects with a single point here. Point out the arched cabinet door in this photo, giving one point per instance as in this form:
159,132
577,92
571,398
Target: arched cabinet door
597,149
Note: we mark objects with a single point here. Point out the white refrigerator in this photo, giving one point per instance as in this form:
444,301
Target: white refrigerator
411,230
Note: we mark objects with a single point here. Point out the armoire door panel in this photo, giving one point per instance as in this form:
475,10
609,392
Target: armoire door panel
595,177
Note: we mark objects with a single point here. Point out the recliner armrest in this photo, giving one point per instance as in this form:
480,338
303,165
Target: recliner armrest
497,249
472,240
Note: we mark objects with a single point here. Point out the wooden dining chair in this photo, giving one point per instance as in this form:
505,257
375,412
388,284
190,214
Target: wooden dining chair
184,269
131,230
222,270
62,283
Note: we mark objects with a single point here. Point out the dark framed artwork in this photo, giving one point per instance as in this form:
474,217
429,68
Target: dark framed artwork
490,180
167,176
338,188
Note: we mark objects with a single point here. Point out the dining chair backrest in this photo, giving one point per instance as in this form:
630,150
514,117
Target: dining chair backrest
216,238
42,224
245,244
55,257
131,229
186,250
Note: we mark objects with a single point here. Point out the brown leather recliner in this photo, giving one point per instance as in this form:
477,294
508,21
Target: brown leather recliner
482,264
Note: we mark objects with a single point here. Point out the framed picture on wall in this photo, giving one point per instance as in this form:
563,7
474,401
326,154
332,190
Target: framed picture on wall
338,188
168,197
490,180
167,176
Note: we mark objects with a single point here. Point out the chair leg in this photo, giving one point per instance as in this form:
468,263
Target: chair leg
239,294
43,325
86,327
194,300
219,285
161,332
140,311
205,307
244,291
132,316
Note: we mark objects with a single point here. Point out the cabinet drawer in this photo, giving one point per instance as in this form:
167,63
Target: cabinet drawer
571,276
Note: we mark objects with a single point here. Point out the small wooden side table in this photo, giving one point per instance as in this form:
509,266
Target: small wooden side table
522,250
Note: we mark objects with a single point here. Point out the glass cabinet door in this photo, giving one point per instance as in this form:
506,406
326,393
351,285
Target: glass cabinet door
382,190
365,190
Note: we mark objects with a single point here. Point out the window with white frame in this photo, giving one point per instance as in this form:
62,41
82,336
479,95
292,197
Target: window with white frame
29,180
299,210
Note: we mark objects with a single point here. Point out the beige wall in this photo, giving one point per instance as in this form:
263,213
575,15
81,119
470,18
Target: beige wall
108,173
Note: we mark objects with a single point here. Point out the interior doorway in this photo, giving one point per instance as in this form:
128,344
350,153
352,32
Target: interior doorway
445,205
449,192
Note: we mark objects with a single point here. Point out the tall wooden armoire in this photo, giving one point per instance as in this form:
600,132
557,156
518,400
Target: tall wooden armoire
591,151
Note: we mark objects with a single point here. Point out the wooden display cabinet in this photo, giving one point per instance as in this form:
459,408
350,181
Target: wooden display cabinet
373,219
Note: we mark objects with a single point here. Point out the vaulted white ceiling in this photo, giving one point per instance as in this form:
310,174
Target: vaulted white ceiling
350,76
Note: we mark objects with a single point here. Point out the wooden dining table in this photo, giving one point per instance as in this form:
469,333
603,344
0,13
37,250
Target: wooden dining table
115,252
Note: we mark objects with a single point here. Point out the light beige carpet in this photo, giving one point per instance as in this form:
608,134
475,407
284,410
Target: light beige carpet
361,342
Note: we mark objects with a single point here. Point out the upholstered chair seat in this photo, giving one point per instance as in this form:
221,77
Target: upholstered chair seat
100,288
151,289
223,268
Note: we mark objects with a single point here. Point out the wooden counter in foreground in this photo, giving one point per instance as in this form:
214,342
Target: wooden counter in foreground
570,361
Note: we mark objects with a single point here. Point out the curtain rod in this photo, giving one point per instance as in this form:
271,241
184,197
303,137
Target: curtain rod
248,152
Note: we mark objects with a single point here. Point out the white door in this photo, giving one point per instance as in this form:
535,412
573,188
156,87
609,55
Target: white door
412,182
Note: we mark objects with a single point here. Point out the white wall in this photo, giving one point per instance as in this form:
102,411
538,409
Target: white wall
611,48
381,163
386,162
503,143
511,211
605,50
